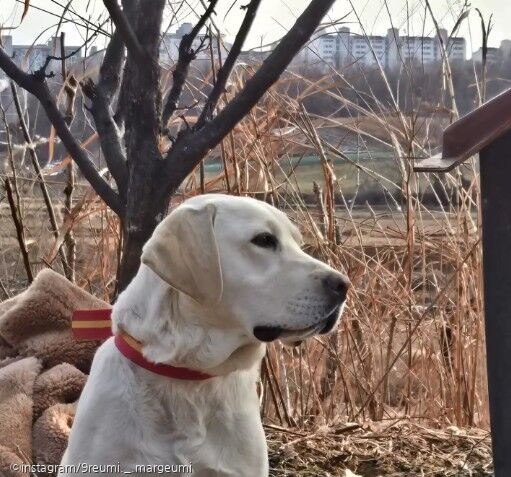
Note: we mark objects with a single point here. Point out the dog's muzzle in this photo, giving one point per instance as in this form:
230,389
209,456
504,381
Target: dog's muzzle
271,333
335,286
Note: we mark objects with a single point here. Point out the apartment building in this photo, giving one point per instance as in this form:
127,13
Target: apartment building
32,57
505,49
390,51
494,55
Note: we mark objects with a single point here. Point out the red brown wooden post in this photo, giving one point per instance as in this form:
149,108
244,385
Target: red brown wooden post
487,131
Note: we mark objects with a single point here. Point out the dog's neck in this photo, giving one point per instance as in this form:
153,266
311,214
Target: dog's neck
174,330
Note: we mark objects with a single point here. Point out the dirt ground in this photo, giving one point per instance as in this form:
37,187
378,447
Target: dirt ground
388,448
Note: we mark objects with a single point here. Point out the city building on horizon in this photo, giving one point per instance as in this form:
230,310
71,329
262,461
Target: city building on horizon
32,57
494,55
324,51
344,48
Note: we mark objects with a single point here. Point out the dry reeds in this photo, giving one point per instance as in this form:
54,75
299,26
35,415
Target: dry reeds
411,341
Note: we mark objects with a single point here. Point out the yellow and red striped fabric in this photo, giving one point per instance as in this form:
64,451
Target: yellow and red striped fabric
92,324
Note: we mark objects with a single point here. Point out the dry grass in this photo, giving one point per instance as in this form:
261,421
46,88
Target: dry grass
408,360
411,341
399,448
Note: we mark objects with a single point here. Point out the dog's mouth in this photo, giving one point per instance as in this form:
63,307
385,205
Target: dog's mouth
272,333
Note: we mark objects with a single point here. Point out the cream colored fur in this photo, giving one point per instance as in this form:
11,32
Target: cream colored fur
202,291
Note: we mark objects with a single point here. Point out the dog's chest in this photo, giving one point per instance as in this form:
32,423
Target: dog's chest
127,415
218,433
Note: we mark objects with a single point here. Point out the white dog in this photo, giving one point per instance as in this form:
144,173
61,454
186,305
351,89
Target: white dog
219,277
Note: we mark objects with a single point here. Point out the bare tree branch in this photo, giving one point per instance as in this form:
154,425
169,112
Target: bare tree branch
130,9
70,87
110,71
63,57
186,55
109,135
225,71
128,35
36,85
189,150
101,96
42,183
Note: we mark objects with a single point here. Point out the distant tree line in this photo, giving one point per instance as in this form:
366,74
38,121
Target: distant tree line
415,88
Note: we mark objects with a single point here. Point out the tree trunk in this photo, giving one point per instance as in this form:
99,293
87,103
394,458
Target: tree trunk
141,99
136,232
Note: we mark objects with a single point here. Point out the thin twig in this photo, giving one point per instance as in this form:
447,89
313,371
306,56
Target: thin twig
20,233
225,71
4,290
69,239
186,55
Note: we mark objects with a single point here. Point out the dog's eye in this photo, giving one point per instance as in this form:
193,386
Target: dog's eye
265,240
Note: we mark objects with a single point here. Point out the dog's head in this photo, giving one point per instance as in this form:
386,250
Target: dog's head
241,260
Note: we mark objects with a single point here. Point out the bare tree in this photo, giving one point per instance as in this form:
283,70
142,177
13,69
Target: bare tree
129,80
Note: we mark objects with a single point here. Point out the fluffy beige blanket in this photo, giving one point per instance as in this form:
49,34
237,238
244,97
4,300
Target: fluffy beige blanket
42,371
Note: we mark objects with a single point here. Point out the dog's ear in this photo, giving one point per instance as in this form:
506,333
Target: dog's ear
184,253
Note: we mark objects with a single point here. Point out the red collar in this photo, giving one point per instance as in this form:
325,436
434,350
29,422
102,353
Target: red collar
97,325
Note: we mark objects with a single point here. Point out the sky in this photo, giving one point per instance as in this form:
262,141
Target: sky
275,17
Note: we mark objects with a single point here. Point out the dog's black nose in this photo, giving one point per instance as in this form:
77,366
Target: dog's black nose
337,285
